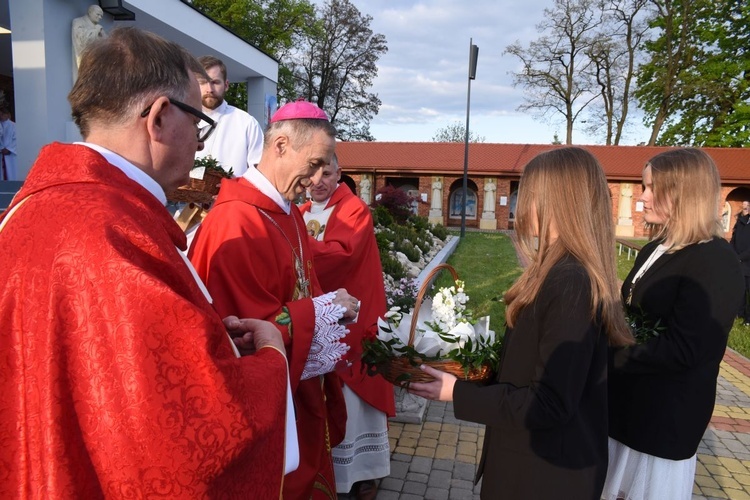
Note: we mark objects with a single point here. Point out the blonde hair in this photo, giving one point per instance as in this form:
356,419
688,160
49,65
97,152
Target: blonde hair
567,188
687,189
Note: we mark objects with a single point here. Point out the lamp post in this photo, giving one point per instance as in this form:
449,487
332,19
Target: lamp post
473,56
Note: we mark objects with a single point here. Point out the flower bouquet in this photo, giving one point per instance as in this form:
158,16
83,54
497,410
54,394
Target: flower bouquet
439,332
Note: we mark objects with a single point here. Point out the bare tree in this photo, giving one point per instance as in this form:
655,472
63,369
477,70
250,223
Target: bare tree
613,53
337,65
556,67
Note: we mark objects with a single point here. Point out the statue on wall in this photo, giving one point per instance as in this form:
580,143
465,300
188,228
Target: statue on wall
86,29
488,209
726,216
437,195
364,188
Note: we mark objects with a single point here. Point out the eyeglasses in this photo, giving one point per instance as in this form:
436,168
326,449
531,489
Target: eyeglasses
203,131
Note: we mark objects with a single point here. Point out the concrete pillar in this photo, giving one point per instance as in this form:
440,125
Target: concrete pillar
261,99
624,214
489,220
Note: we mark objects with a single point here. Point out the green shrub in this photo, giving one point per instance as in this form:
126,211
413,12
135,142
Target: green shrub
391,266
383,243
423,241
381,216
407,248
419,223
439,231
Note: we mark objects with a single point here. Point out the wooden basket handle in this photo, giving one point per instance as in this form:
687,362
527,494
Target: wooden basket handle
422,291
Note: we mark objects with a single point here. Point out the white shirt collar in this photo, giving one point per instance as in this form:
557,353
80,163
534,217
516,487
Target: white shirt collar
318,206
133,172
257,179
215,114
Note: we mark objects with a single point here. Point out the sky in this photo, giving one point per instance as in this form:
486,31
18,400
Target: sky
422,79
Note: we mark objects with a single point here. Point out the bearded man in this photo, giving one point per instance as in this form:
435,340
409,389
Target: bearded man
237,142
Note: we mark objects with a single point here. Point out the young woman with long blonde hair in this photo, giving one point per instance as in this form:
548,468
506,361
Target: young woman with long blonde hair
546,411
686,285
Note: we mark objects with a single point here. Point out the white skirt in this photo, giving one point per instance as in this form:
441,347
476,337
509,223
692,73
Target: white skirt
633,475
365,452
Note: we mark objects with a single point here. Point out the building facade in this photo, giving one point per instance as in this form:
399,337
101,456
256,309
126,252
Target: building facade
36,58
432,173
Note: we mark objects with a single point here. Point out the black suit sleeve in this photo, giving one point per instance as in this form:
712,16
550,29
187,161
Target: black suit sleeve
561,316
697,321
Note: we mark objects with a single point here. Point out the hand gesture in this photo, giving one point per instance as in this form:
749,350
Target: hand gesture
250,335
349,302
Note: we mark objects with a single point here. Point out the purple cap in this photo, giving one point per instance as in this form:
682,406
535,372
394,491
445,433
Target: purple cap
299,110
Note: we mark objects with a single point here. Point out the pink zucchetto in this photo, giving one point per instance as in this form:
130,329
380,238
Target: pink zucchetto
299,110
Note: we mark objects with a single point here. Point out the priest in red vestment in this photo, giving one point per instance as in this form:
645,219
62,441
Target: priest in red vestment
253,254
346,255
118,377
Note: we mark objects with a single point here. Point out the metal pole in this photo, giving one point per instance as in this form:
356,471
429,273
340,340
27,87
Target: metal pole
473,56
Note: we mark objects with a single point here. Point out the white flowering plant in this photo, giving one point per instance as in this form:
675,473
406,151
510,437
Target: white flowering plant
445,330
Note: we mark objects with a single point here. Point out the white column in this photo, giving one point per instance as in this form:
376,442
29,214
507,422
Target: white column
488,220
261,99
624,212
42,62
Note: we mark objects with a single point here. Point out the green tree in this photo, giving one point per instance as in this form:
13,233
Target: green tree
455,132
712,104
336,65
555,67
661,80
273,26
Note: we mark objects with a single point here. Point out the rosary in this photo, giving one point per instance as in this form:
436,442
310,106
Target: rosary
303,284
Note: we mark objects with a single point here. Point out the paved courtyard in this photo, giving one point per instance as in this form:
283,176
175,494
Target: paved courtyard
436,459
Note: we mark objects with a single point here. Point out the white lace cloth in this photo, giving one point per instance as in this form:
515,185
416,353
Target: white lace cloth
326,349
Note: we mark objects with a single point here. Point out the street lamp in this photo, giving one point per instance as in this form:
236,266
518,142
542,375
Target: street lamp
473,56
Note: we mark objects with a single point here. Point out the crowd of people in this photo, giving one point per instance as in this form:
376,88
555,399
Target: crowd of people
136,367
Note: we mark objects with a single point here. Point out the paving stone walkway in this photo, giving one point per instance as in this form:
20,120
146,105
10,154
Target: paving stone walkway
436,459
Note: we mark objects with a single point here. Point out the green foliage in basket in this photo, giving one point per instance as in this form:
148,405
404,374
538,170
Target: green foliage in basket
212,164
377,353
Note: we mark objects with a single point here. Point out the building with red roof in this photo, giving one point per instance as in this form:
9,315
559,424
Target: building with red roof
432,173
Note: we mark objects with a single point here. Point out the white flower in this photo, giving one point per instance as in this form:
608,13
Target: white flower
444,312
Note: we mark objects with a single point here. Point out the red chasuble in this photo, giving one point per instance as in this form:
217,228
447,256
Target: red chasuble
247,261
118,377
348,257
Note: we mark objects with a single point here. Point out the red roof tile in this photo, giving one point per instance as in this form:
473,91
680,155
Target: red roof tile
618,162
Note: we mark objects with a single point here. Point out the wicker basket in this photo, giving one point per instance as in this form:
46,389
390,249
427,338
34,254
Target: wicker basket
396,367
199,191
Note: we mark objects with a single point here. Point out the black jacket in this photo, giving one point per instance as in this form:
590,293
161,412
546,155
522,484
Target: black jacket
546,414
741,241
662,392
